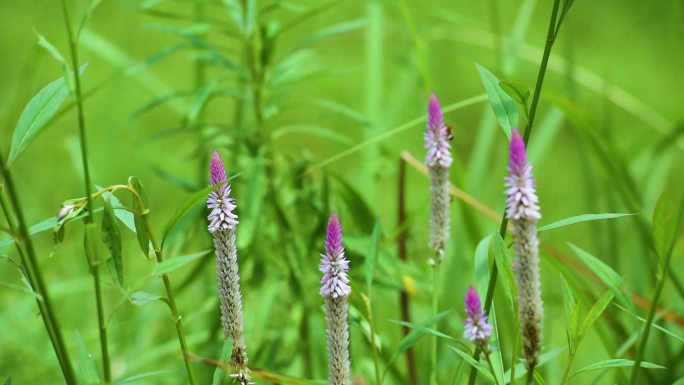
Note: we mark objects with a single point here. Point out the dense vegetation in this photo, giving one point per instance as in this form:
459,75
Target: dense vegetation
112,110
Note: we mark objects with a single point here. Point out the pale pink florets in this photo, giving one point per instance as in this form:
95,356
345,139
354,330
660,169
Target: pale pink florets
521,202
477,327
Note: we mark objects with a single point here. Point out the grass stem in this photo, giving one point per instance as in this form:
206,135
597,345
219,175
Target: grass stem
402,251
34,275
550,39
435,310
93,261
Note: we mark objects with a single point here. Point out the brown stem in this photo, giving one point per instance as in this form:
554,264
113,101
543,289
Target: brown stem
402,239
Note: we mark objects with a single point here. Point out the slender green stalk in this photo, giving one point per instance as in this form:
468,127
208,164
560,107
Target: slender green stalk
171,300
35,277
649,320
374,348
435,309
488,358
550,39
402,251
93,261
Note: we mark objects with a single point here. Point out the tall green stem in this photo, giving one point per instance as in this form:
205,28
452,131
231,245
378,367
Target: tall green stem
34,275
649,320
435,309
550,39
169,294
93,261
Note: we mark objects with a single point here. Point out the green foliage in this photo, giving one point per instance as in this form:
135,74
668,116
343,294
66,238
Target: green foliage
39,110
503,105
86,365
312,104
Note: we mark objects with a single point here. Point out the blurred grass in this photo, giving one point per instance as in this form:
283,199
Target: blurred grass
608,139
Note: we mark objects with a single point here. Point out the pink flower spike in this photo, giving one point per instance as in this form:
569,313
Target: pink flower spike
220,202
437,137
334,265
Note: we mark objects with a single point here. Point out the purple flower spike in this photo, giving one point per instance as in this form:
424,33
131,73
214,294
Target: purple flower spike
218,172
522,209
522,202
334,265
477,327
220,202
437,137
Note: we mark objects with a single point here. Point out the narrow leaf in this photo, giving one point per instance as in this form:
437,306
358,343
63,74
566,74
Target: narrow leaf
39,110
503,105
481,367
369,266
517,91
579,219
140,298
86,365
423,329
482,264
615,363
595,311
665,223
178,262
188,203
220,372
111,236
140,227
505,266
612,279
412,337
521,370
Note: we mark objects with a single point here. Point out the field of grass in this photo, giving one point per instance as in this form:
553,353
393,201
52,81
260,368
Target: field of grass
321,106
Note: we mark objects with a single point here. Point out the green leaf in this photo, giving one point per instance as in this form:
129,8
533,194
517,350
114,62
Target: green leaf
423,329
52,50
188,203
482,264
8,381
412,337
505,266
201,99
369,266
579,219
178,262
595,311
481,367
89,238
140,227
517,91
140,298
111,236
39,110
521,370
251,209
571,310
141,376
615,363
503,105
86,365
220,372
665,223
607,275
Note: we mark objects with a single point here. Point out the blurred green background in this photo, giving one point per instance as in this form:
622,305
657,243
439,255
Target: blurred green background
309,109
